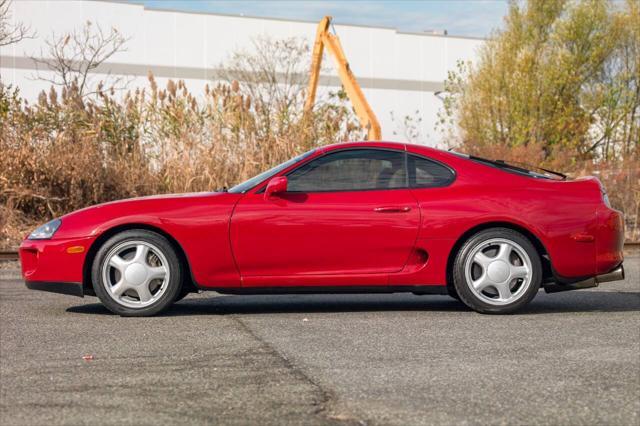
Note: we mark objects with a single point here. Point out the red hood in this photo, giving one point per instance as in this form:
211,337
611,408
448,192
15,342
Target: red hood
134,200
150,210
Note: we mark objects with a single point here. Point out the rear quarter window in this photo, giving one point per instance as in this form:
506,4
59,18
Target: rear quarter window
425,173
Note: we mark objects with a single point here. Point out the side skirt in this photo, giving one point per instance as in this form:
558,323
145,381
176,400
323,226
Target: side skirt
415,289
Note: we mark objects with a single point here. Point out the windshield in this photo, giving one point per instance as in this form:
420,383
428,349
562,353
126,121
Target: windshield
248,184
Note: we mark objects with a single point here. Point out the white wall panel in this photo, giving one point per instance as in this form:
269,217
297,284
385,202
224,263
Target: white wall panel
398,71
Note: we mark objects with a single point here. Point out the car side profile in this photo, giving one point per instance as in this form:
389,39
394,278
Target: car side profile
353,217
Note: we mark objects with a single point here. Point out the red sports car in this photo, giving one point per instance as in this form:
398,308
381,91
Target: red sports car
353,217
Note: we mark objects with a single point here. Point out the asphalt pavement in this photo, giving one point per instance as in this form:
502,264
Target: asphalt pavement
569,358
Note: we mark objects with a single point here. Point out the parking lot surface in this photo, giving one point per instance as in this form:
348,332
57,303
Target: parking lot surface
569,358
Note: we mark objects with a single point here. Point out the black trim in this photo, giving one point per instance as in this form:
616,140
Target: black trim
560,283
416,289
556,288
71,288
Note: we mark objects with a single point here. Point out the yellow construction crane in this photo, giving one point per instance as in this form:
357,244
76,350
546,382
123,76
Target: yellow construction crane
365,114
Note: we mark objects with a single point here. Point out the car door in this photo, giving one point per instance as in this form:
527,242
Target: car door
345,213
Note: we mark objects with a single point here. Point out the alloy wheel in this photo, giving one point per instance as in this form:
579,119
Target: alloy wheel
498,271
135,274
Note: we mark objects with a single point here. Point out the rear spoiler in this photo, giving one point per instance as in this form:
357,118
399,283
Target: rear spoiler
527,167
515,166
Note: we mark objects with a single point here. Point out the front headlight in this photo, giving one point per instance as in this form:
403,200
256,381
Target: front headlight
605,199
45,231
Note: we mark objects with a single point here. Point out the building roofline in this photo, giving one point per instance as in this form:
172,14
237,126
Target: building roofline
300,21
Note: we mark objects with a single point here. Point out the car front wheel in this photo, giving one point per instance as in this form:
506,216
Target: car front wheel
136,273
498,271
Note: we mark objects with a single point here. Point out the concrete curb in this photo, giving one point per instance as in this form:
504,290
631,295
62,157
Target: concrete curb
10,274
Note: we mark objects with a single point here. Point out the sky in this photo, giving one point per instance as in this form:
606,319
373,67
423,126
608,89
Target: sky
473,18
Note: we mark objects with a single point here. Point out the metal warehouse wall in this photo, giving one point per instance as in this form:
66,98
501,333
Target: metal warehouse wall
399,72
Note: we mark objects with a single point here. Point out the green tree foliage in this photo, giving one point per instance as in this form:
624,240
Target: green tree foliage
559,86
562,76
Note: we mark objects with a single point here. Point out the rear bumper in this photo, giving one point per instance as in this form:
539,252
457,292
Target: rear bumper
609,240
616,274
71,288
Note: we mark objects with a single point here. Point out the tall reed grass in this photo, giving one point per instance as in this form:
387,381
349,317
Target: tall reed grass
67,151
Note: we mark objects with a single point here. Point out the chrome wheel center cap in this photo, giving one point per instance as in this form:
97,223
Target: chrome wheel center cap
135,274
498,271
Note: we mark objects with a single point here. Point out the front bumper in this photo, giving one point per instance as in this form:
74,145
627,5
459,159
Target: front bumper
73,289
55,265
616,274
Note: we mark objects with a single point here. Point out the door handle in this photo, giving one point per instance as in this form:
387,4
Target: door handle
392,209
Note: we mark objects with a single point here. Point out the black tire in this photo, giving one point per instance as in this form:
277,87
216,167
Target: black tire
184,292
173,286
474,301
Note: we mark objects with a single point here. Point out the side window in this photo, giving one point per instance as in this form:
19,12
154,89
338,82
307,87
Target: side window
425,173
351,170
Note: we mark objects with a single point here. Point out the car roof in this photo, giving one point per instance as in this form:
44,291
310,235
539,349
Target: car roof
401,146
380,144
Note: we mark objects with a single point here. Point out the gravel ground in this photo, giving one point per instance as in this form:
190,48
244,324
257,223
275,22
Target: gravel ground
569,358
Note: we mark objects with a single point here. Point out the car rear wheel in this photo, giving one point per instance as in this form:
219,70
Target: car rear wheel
137,273
497,271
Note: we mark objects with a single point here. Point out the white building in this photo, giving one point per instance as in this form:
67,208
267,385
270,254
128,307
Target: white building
399,72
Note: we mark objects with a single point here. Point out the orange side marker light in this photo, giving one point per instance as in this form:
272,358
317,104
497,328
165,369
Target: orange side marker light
75,249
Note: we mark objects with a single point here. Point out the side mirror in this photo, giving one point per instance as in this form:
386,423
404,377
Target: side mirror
275,186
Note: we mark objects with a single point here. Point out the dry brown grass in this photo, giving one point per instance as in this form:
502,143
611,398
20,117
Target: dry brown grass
67,152
82,144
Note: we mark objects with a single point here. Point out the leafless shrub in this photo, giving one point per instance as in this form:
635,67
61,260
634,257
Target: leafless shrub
274,72
75,56
408,127
274,75
11,32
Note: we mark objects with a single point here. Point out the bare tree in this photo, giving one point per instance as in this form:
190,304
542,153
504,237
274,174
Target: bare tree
74,56
409,127
11,32
273,74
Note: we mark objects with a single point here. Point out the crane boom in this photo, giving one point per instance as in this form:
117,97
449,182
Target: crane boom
324,39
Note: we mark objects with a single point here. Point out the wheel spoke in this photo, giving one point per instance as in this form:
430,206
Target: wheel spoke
482,282
503,290
143,292
156,272
504,252
482,259
120,287
118,263
141,254
519,271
